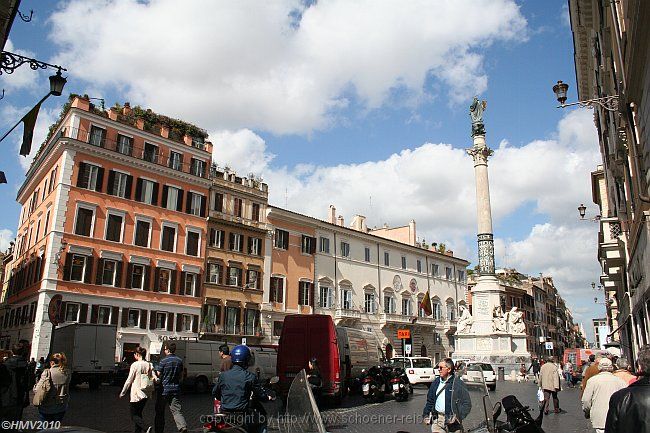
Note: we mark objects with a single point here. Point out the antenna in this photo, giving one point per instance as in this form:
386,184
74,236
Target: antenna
286,197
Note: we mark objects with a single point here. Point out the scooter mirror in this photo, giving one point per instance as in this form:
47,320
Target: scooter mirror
274,380
496,411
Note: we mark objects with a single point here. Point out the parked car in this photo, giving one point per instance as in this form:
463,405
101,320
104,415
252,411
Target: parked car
473,372
419,369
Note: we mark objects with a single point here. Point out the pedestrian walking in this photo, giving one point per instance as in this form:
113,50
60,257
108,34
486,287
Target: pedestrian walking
140,381
628,407
522,377
40,366
14,383
57,379
595,399
590,371
623,371
226,360
549,382
440,411
536,368
568,374
170,370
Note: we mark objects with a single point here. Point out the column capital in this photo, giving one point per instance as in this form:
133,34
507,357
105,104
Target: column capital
480,154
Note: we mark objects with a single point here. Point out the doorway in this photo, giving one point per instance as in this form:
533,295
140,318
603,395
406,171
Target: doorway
423,351
389,351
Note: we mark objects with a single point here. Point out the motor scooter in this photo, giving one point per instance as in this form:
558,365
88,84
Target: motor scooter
373,384
399,384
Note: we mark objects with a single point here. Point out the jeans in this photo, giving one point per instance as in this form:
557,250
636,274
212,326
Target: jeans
51,416
174,403
136,415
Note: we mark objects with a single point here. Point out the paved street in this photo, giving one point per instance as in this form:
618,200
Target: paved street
102,410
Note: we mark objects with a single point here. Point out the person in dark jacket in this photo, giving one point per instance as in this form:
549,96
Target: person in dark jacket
629,407
169,371
440,411
235,387
535,367
14,395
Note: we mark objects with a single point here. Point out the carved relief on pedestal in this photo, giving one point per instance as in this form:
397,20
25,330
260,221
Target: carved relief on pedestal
484,344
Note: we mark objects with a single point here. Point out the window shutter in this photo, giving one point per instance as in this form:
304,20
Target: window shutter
163,200
181,288
188,202
83,313
239,277
213,236
179,322
203,206
114,314
110,188
285,241
129,184
152,319
231,244
146,284
125,317
143,319
250,246
156,280
199,286
312,249
179,203
66,268
89,269
129,276
154,194
82,177
312,293
174,282
138,190
170,321
237,318
195,323
100,271
118,274
94,312
100,180
222,237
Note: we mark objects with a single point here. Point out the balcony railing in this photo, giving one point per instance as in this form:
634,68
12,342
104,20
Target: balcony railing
238,330
347,313
395,318
137,152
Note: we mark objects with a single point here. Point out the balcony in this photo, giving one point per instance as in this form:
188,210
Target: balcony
609,245
238,330
238,220
137,152
386,318
347,313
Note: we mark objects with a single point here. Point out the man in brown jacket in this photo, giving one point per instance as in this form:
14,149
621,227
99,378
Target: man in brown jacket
549,381
592,370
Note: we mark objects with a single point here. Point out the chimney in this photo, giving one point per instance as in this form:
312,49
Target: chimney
359,223
340,221
332,219
412,235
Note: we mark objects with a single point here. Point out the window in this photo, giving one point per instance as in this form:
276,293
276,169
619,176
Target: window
186,323
281,239
197,167
124,144
89,177
437,311
403,262
47,223
53,178
255,215
174,197
324,245
255,246
214,273
164,280
196,204
308,245
451,311
77,267
38,231
148,191
389,304
418,265
142,232
218,202
97,136
44,190
461,276
150,153
434,269
232,314
237,207
252,278
448,273
235,242
175,160
108,272
367,254
168,239
84,222
121,186
304,293
192,247
346,299
325,297
386,258
277,328
345,249
134,319
216,238
369,303
190,283
234,277
137,276
104,315
161,320
277,288
250,321
72,312
114,227
406,307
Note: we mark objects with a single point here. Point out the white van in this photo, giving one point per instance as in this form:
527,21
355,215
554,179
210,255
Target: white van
201,362
419,369
263,362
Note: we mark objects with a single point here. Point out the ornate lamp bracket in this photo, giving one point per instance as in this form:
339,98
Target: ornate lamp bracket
609,103
9,62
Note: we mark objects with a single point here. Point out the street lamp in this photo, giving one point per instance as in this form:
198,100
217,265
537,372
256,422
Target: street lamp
582,210
609,103
57,82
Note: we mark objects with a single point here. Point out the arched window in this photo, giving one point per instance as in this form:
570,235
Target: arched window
389,302
451,310
436,308
389,351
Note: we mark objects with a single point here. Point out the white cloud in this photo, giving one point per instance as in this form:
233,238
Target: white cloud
255,65
6,236
23,77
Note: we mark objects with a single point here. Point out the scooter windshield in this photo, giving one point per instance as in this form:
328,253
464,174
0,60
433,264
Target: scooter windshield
302,414
471,401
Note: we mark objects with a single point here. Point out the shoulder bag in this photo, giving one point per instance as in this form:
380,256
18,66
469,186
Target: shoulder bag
43,388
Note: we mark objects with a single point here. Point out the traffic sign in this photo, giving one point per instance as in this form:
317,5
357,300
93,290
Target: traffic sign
407,349
403,334
54,309
549,345
243,341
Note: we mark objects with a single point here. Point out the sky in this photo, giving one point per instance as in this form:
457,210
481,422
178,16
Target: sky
362,104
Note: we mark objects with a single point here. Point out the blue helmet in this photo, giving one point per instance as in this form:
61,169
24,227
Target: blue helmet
240,355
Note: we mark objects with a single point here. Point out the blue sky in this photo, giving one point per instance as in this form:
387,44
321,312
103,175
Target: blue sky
359,105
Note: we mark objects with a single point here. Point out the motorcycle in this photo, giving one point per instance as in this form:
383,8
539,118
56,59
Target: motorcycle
399,384
373,384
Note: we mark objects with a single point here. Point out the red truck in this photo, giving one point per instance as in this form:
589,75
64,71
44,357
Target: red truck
342,353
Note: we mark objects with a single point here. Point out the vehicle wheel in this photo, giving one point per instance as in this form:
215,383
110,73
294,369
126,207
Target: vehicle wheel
492,387
201,385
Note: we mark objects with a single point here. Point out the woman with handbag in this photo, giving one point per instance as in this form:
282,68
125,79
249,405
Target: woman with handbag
51,393
140,381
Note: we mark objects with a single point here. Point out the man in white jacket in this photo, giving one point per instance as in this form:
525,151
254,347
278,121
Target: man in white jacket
595,399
